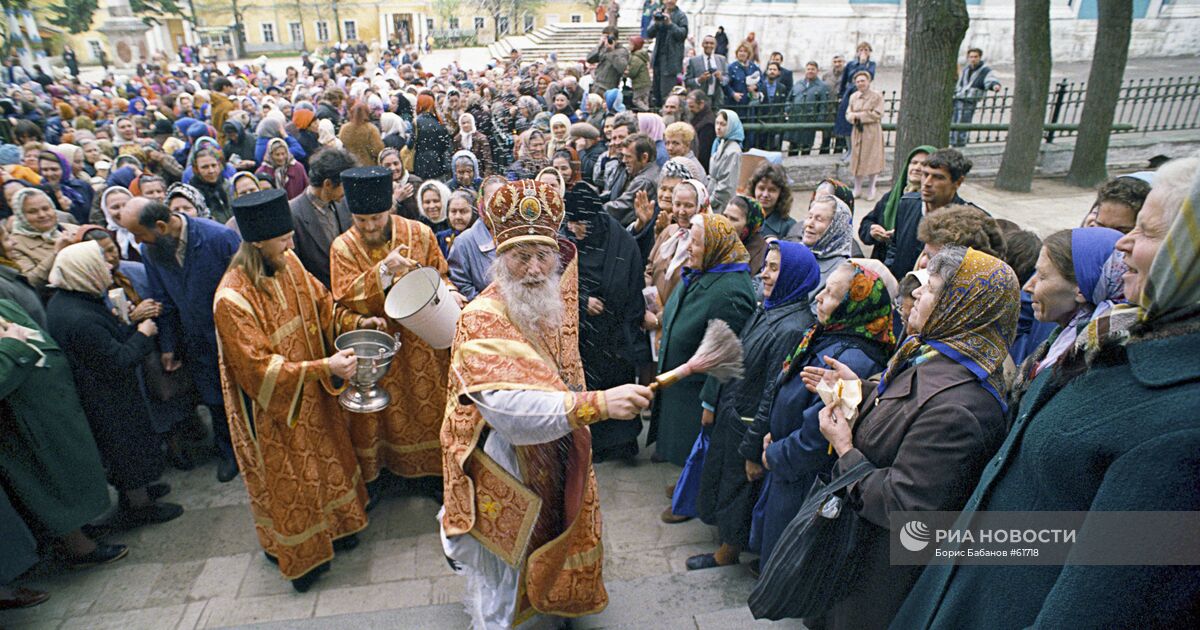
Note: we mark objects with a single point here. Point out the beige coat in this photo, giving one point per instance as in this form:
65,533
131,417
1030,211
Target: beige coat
866,145
35,256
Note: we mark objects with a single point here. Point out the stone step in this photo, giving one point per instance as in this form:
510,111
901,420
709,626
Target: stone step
714,599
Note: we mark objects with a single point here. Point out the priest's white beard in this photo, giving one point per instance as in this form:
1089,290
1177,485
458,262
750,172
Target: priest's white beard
535,307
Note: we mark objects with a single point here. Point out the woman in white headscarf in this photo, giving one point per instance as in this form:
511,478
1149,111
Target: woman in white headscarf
326,135
392,127
104,353
112,201
37,235
469,138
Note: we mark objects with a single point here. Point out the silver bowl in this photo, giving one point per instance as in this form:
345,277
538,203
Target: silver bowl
374,351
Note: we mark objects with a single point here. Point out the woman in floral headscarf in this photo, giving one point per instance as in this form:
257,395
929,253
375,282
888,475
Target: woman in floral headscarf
746,215
288,174
854,327
715,285
829,233
729,485
926,432
38,235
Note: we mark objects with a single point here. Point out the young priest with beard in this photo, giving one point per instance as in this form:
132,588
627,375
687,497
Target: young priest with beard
522,516
365,261
276,324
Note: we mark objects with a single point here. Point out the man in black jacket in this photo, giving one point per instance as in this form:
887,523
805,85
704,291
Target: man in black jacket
943,174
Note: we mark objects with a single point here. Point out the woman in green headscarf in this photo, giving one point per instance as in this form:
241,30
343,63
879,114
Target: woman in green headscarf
877,227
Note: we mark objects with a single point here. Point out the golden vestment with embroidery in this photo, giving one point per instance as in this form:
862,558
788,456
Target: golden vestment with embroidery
289,433
403,437
547,527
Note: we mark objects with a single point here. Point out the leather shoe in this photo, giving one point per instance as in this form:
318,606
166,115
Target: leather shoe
227,469
132,517
346,544
102,554
304,582
702,561
671,491
671,518
23,598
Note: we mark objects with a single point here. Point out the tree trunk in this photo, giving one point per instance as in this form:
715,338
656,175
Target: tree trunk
934,31
1031,36
1089,162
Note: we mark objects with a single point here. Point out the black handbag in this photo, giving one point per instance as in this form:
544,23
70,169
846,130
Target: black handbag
814,562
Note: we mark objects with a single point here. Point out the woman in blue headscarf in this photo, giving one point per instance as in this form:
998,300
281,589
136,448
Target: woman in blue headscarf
725,165
614,100
1078,278
729,485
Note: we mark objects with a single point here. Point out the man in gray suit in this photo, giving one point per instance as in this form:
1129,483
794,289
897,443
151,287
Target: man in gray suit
706,72
320,214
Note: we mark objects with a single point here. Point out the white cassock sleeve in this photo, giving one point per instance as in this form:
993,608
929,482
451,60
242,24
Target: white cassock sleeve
524,416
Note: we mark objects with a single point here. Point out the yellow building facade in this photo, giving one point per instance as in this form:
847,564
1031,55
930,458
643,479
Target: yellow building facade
294,25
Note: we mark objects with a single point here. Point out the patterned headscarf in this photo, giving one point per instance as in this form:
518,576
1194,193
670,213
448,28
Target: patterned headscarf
193,195
1093,262
837,240
973,323
723,250
865,313
280,172
754,217
1174,280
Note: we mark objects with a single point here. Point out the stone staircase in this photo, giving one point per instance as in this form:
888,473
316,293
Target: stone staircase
572,42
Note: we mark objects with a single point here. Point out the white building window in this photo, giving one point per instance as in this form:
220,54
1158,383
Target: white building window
479,24
528,23
95,48
453,24
296,30
429,24
268,32
576,19
502,25
350,29
322,31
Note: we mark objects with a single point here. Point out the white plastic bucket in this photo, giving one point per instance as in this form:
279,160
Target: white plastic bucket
422,303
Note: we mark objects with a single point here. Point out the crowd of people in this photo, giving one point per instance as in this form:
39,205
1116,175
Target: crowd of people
199,237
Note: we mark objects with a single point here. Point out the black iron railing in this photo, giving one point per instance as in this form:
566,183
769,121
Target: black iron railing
1143,106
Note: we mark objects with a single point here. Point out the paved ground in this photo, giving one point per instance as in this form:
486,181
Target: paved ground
206,570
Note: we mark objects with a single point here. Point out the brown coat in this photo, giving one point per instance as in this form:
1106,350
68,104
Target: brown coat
656,268
35,256
221,106
362,141
866,144
929,435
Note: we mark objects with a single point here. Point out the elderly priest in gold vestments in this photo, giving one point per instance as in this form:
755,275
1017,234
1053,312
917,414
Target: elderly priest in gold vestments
522,516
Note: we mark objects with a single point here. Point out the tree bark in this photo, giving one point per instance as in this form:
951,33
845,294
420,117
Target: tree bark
1089,162
934,30
1031,36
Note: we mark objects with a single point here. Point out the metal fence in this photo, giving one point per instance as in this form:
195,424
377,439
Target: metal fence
1143,106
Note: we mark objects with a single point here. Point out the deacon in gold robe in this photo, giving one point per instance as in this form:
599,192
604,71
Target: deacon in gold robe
522,516
276,325
365,261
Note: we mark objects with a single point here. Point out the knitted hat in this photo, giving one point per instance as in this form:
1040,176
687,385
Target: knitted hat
10,154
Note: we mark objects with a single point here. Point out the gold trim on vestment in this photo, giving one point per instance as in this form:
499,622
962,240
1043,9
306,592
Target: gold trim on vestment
267,389
285,330
295,539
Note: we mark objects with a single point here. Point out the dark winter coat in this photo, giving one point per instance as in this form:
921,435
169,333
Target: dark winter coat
431,149
105,356
1123,436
